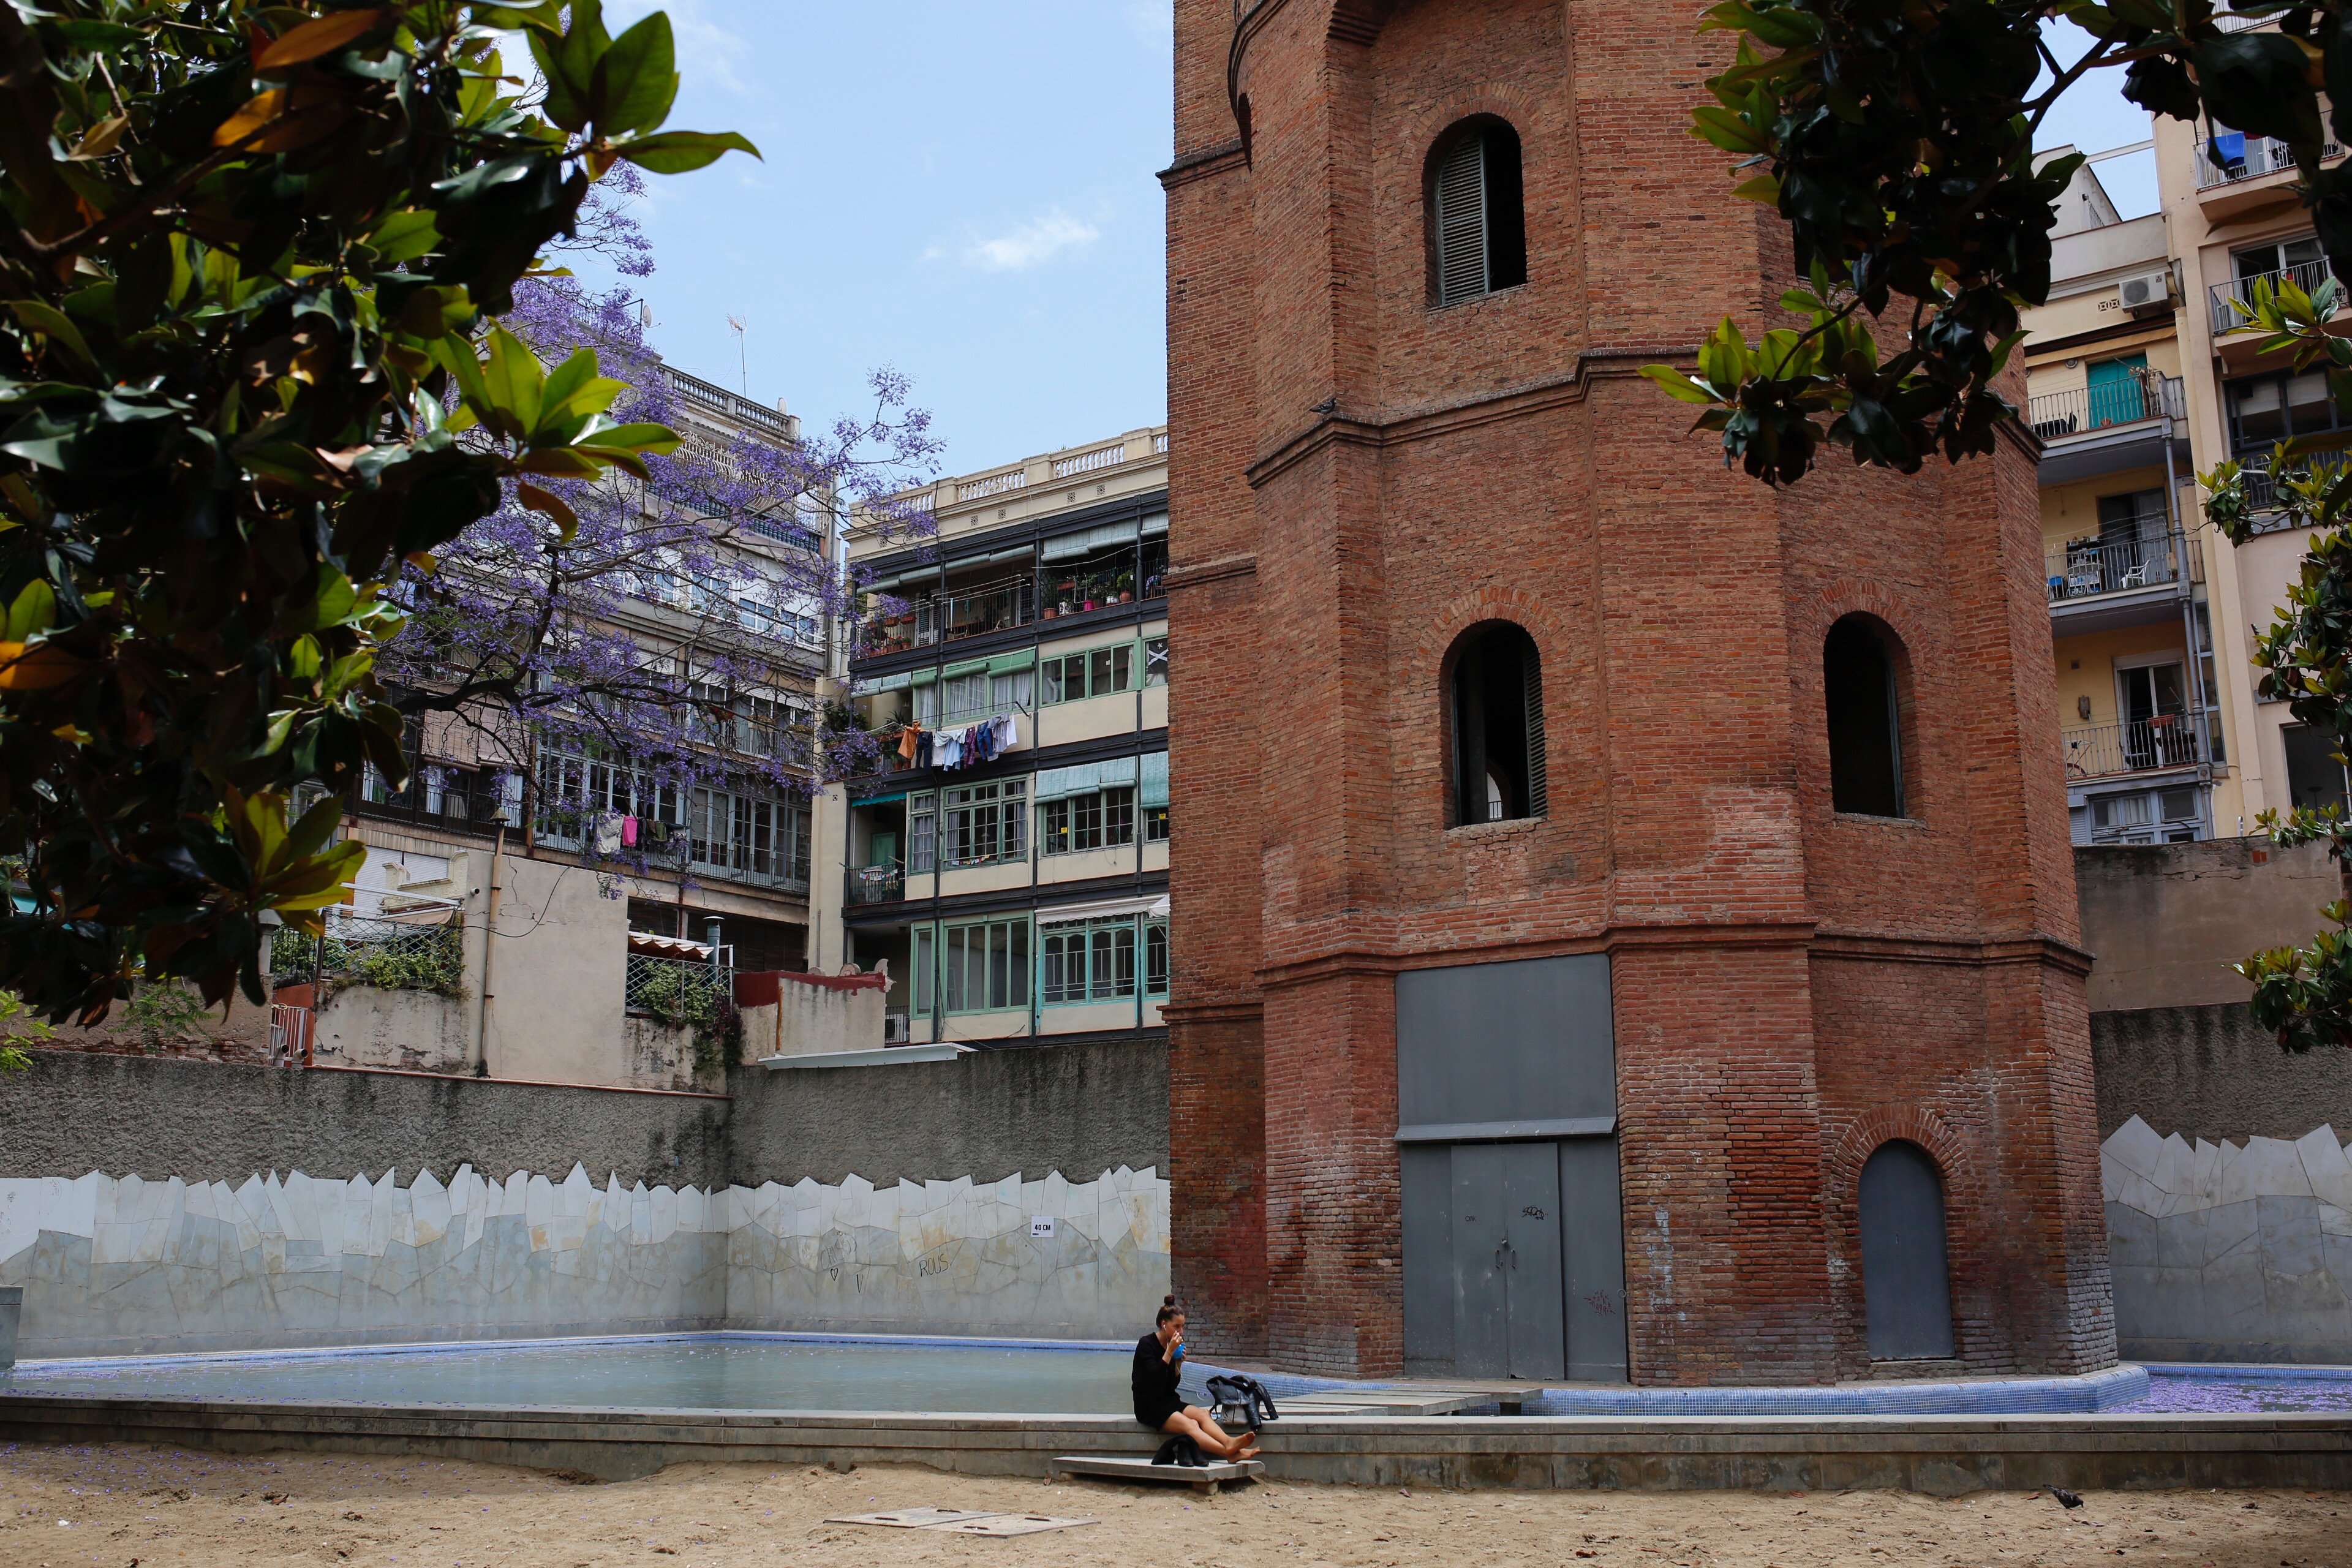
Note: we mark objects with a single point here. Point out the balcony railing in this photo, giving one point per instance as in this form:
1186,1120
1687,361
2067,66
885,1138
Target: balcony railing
2084,568
873,885
2239,292
2145,745
993,484
2055,416
1087,462
2230,157
947,617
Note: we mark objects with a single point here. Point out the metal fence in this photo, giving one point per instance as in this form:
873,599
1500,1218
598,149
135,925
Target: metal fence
422,950
873,885
2230,157
2227,317
2166,741
2112,564
679,991
2054,415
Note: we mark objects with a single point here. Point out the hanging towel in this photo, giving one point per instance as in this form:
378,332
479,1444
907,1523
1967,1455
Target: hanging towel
628,833
910,744
1008,733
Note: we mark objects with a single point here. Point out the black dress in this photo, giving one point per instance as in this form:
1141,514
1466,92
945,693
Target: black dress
1155,1384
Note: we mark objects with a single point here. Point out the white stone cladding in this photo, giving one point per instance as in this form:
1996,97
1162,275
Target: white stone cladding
121,1265
2227,1251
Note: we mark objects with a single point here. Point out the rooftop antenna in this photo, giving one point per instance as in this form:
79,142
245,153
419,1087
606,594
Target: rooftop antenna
739,326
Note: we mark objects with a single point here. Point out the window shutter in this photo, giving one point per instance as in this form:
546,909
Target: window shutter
1531,688
1462,220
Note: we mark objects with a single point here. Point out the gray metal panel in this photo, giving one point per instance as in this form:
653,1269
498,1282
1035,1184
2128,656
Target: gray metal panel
1428,1180
1905,1283
1592,1221
1531,1249
1502,1132
1524,1041
1482,1346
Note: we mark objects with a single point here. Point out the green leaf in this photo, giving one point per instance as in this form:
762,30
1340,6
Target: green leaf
1728,131
2256,82
52,324
658,439
636,80
1678,385
566,100
317,825
35,611
677,152
512,381
404,237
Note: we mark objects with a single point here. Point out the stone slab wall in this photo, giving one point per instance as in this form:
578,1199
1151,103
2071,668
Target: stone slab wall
122,1266
2230,1251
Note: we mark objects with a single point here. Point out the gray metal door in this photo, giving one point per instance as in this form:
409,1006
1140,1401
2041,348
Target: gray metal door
1507,1262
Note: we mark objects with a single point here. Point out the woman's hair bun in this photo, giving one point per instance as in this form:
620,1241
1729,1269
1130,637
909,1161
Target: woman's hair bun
1167,1300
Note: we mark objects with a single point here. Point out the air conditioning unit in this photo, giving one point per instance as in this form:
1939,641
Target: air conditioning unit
2146,290
895,1031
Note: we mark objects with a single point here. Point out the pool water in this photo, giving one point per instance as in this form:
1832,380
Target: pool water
684,1372
2238,1391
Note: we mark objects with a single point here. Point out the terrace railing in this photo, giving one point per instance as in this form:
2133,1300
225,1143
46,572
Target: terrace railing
2226,159
678,990
2227,317
2087,567
2055,416
873,885
2145,745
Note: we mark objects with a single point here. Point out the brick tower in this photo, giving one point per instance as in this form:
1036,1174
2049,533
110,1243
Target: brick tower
1624,918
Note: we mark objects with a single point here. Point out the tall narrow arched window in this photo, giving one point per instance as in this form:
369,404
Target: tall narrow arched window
1497,697
1864,719
1477,224
1907,1284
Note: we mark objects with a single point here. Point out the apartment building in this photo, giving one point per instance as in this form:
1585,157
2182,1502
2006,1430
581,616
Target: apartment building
2139,383
1006,855
713,878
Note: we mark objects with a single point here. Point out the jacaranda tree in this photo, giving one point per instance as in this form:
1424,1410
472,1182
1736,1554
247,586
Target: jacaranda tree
250,257
1896,140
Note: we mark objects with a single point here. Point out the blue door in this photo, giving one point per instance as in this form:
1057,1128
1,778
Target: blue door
2119,394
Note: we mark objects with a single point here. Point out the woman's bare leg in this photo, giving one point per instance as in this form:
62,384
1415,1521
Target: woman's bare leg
1202,1430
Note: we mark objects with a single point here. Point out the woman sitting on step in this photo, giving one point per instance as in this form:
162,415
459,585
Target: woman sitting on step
1158,1364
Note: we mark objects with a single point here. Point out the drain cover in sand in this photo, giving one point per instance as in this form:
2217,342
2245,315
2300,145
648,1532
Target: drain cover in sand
913,1518
1012,1524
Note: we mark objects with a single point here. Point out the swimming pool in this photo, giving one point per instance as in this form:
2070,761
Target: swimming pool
737,1371
697,1372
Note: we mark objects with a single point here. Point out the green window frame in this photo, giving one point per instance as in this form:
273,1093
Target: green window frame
1095,672
1087,961
1100,819
984,965
985,824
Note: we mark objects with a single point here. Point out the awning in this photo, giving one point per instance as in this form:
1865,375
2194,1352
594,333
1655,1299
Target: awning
1155,779
921,676
879,799
1154,906
1155,525
969,667
669,947
868,685
1013,663
1085,778
1070,546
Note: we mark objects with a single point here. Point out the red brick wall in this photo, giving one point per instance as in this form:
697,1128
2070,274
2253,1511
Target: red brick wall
1790,985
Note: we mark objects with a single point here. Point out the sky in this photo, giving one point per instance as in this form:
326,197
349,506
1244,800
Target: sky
961,191
964,192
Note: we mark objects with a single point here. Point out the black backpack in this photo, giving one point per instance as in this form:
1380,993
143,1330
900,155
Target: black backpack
1241,1400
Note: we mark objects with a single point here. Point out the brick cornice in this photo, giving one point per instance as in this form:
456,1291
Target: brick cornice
1209,572
1213,1012
1604,362
2037,947
1221,158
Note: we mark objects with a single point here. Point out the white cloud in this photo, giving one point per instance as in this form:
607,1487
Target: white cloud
1032,244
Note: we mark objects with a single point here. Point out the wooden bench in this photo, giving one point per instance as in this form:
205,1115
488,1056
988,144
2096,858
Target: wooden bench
1136,1468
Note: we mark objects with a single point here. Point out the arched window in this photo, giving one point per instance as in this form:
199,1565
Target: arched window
1907,1284
1477,227
1498,741
1864,719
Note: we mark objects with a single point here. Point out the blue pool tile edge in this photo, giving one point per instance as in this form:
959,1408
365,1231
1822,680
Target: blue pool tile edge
2088,1392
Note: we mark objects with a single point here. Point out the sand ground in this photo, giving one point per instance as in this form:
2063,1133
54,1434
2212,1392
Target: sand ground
129,1507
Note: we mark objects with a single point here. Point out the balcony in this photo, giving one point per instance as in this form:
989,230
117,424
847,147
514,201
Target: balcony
2086,568
961,613
872,885
2061,416
2234,171
2158,745
2239,292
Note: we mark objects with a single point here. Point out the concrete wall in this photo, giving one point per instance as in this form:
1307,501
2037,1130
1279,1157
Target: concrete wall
790,1014
2208,1072
149,1205
2167,920
415,1031
558,967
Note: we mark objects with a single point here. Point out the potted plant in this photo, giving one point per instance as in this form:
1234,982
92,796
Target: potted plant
1126,587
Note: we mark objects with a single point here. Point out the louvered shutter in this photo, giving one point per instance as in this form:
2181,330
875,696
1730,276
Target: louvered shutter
1531,688
1462,220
